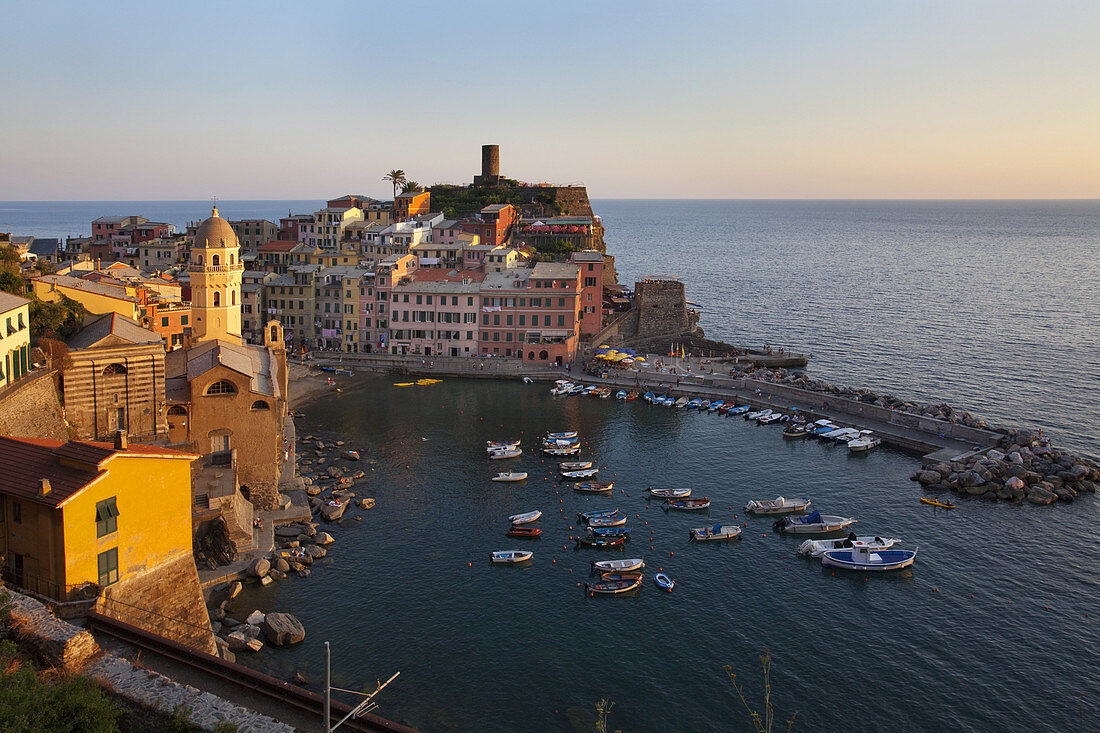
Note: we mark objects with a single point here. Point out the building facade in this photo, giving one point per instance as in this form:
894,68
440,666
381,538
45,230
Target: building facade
15,337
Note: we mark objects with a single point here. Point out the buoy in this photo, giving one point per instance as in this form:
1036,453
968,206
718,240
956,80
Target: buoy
469,564
670,553
765,534
553,562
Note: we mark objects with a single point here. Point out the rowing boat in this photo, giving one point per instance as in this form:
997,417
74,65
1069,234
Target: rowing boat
935,502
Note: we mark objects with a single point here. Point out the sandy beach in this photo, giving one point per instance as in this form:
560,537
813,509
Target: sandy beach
305,384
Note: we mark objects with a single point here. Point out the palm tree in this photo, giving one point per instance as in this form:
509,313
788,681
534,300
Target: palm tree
407,186
397,178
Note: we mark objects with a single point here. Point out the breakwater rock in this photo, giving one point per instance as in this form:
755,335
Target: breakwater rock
1026,466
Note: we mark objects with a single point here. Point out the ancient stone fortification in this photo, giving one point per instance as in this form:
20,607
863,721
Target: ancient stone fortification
166,601
662,308
31,408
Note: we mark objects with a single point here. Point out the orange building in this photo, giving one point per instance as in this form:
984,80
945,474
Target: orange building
410,204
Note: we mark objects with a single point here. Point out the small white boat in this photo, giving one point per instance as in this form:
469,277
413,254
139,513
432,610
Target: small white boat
511,557
568,435
510,476
525,518
813,523
509,453
778,505
682,403
562,389
574,465
770,418
758,414
817,548
618,566
570,450
670,493
839,434
862,445
862,557
582,473
612,520
715,533
491,446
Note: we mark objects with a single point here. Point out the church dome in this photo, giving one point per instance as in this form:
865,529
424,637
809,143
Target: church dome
215,232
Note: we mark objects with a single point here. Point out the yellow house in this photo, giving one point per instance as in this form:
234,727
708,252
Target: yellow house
97,297
81,512
15,337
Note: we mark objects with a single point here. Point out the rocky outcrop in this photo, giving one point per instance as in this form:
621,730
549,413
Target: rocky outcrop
282,629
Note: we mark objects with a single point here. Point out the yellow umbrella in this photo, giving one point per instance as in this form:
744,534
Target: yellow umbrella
639,358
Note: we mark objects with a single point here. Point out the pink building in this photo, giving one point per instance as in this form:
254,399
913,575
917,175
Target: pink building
590,264
532,314
435,313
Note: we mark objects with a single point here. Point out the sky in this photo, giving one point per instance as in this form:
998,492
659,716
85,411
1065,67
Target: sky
763,99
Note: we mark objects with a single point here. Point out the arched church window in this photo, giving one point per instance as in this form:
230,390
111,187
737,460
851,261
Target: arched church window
260,405
114,369
178,410
232,297
223,386
215,260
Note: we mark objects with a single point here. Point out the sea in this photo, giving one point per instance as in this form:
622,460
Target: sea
991,306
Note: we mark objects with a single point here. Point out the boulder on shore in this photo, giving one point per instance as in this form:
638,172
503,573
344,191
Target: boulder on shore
282,629
259,567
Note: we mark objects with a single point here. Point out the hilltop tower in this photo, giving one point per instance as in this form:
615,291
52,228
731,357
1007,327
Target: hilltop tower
490,166
216,272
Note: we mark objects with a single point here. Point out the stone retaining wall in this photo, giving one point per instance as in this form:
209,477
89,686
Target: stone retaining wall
55,642
31,408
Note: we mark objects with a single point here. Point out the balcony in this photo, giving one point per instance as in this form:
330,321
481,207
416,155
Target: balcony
216,268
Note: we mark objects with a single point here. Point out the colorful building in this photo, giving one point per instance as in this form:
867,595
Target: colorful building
15,337
411,204
531,314
494,224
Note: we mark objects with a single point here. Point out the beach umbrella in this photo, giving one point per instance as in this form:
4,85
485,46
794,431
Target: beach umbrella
628,360
639,358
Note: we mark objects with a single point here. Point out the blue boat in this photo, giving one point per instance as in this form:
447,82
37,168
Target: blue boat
598,513
610,531
664,582
621,394
740,410
692,404
863,557
648,397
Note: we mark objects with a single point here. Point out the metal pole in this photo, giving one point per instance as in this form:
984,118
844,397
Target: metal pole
328,689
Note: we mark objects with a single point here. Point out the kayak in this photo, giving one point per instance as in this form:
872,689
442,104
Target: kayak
934,502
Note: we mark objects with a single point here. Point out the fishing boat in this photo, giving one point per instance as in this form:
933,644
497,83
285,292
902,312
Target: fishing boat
632,575
740,410
582,473
621,394
521,531
669,493
574,465
570,450
618,566
595,487
682,403
862,445
509,453
669,401
687,504
603,393
559,442
525,518
598,541
795,431
862,557
937,502
584,517
816,548
778,505
840,434
664,582
569,435
813,523
768,419
612,520
510,476
501,445
716,405
649,397
693,404
612,587
716,533
510,557
609,531
632,395
758,414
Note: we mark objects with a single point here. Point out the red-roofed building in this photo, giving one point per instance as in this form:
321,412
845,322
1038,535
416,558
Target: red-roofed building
275,255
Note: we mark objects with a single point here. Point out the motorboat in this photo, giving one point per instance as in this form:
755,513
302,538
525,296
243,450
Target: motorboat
612,587
863,557
687,504
862,445
816,548
664,582
770,418
579,474
669,493
821,427
510,557
794,431
525,518
510,476
777,506
598,513
716,533
570,450
562,389
599,541
682,403
812,523
609,531
844,434
577,389
715,406
613,520
618,566
510,453
521,531
501,445
574,465
594,487
559,442
758,414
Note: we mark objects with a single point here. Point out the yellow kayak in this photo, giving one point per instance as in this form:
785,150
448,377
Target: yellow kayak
425,382
404,384
933,502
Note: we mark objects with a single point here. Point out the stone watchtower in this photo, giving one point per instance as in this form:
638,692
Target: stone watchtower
216,272
662,308
490,166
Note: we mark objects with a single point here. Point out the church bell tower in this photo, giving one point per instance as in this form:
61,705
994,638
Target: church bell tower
216,272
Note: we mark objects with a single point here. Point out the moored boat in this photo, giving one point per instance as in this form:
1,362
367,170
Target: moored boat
682,403
491,445
595,487
669,493
687,504
618,566
525,518
716,533
598,541
510,557
621,394
632,395
609,531
864,444
813,523
510,476
574,465
795,431
567,435
351,455
632,575
664,582
778,505
612,587
571,450
597,513
612,520
817,548
510,453
518,530
861,557
739,409
582,473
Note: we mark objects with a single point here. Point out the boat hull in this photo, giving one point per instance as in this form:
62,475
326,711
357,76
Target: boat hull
881,560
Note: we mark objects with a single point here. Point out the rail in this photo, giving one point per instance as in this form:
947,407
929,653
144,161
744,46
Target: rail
239,675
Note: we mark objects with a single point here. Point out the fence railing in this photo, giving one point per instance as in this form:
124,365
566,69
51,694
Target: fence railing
44,587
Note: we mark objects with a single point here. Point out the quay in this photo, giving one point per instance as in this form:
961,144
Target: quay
937,440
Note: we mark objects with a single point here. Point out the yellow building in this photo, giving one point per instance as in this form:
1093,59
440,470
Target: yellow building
216,273
97,297
15,337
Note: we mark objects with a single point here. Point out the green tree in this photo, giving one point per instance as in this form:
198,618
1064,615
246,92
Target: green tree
8,254
56,320
410,186
10,279
397,178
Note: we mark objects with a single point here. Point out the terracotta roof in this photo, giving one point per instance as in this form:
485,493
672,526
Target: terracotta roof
24,462
277,246
441,275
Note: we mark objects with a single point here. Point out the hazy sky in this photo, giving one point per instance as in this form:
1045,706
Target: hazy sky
773,99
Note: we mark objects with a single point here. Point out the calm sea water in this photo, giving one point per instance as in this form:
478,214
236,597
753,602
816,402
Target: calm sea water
992,306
